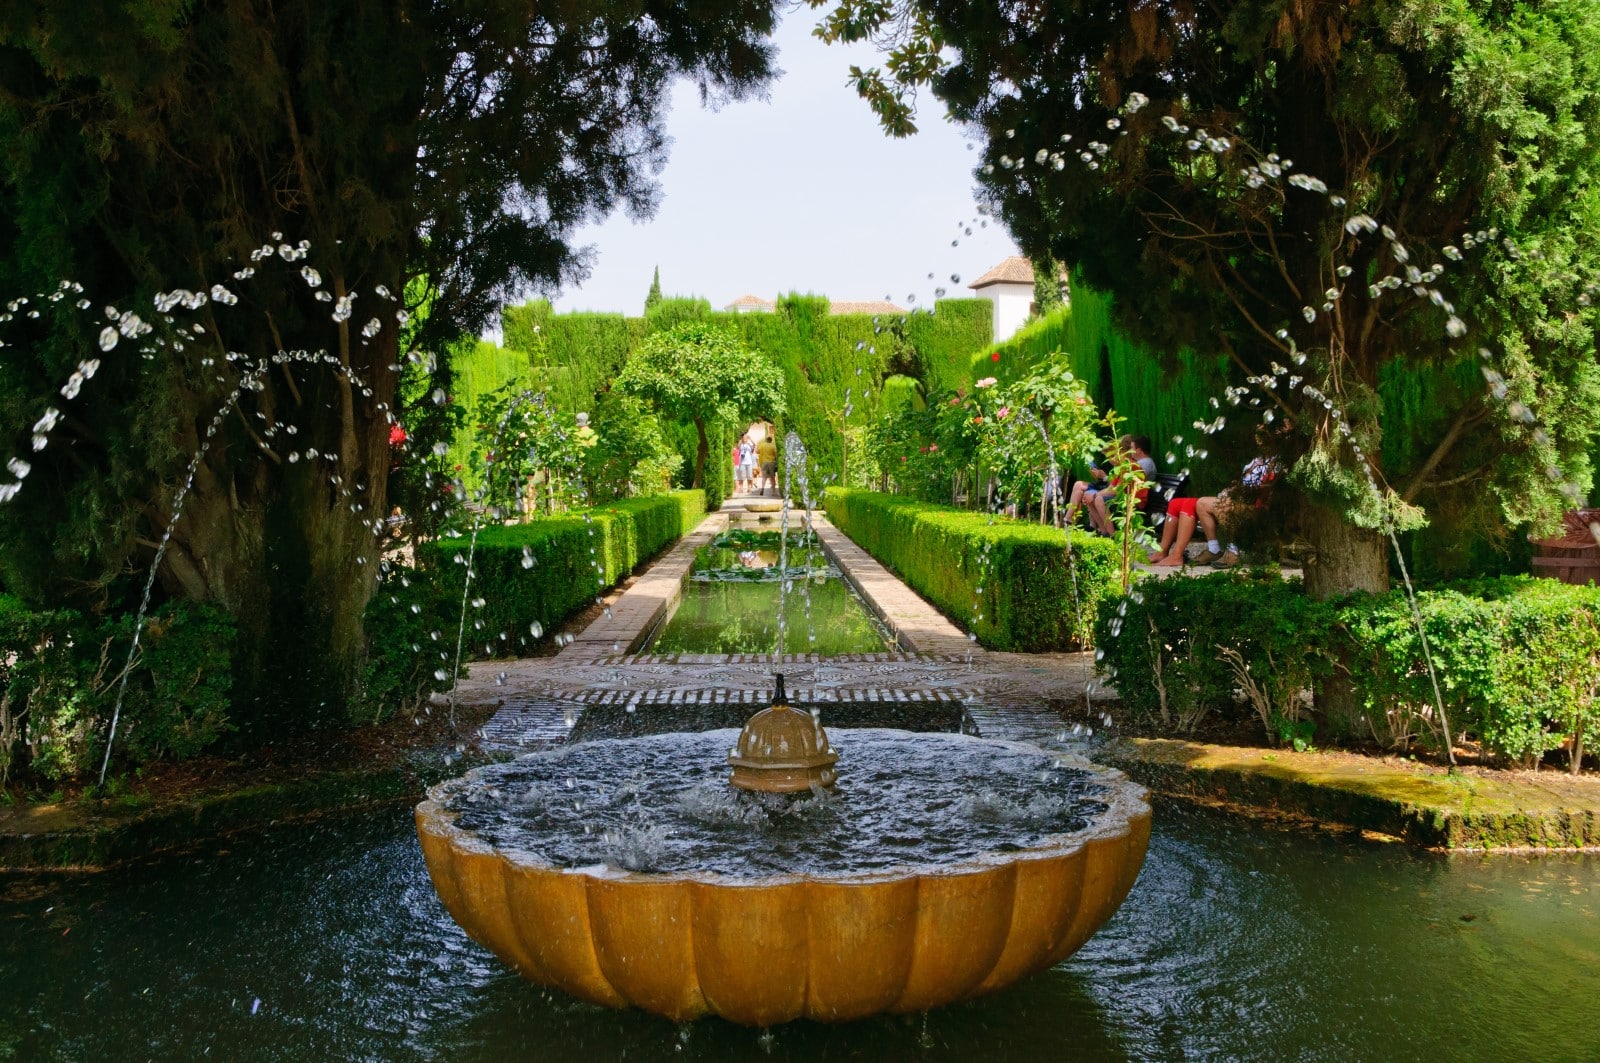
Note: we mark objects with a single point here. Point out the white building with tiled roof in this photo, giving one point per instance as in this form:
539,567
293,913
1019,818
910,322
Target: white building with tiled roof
1010,287
751,304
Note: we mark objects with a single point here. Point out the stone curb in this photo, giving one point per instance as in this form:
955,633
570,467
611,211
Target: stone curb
109,835
1428,809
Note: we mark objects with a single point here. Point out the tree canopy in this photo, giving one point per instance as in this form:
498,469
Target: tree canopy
147,145
1272,180
703,373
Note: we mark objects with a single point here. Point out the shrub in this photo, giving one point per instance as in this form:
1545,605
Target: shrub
60,673
1013,580
1239,644
1517,659
527,578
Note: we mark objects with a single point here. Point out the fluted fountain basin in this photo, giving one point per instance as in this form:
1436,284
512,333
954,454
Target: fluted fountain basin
628,874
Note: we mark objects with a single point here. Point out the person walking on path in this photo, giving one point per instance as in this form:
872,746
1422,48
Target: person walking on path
767,452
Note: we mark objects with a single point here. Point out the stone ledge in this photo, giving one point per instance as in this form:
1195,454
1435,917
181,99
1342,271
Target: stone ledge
90,835
1419,804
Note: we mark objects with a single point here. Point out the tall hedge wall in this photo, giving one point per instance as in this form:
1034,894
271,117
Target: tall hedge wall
579,354
1123,376
1164,397
1015,574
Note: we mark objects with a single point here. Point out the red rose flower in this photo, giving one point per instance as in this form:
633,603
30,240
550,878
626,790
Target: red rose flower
995,357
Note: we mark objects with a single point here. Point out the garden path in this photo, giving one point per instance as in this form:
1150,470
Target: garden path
1010,695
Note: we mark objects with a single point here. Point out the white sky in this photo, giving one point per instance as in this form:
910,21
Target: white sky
799,192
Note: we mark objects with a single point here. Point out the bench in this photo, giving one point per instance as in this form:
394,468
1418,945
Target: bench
1572,557
1164,488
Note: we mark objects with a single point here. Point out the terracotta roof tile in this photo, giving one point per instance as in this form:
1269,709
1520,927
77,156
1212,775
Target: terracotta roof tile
750,300
1014,270
870,306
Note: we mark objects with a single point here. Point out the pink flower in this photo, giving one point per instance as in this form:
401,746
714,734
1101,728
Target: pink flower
986,382
1004,411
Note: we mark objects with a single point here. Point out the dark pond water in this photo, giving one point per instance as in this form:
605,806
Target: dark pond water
328,943
663,803
739,614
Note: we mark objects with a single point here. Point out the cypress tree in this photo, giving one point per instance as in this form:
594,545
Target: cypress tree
655,291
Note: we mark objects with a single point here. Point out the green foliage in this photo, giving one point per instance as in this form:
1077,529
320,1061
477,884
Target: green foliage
543,571
654,295
946,339
1012,582
631,455
705,374
574,356
1434,118
1180,649
1161,396
1037,423
668,314
819,353
60,676
133,165
411,624
529,578
1517,659
1047,284
521,437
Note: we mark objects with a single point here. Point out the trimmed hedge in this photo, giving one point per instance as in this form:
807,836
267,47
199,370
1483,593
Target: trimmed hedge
951,555
820,353
1517,659
573,558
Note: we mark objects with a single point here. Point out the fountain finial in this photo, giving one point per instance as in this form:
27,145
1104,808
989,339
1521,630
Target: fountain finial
783,750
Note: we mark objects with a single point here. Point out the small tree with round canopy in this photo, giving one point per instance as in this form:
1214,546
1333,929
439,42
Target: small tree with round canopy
703,373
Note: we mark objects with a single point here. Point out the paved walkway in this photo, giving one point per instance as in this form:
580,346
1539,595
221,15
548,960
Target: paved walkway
1010,695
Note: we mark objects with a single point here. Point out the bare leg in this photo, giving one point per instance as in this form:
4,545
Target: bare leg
1098,515
1183,528
1169,528
1075,499
1205,510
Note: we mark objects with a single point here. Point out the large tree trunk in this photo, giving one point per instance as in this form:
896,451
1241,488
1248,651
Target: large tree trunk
288,546
702,452
1345,559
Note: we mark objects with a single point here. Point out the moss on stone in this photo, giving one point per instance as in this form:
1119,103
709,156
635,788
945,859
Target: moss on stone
1422,805
89,834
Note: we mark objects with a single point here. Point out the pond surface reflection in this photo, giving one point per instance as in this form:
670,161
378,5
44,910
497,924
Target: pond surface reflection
328,942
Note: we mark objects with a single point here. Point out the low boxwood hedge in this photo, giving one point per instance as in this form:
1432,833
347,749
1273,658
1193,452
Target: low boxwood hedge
1010,582
1517,659
529,578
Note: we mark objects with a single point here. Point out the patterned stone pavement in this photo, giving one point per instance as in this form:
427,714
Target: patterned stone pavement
1025,696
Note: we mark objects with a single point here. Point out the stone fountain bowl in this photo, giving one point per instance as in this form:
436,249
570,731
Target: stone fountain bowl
766,950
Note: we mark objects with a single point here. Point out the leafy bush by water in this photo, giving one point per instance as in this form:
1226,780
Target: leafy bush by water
59,675
1517,659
